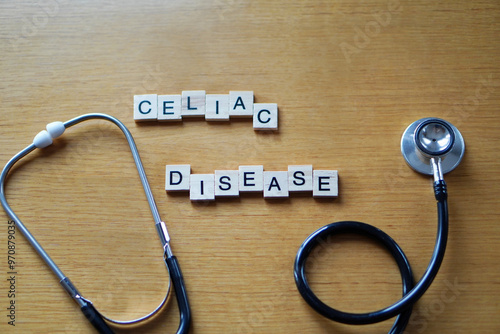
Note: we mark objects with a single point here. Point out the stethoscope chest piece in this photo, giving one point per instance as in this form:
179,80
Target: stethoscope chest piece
430,146
432,138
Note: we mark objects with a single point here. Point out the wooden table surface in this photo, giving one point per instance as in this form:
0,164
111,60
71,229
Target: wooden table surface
348,77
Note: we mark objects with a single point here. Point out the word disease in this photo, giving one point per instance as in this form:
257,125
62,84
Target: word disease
213,107
230,183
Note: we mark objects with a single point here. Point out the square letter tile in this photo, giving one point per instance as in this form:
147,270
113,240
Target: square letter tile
265,116
193,103
300,178
177,177
145,107
325,183
251,178
217,108
241,103
275,184
226,183
169,108
202,187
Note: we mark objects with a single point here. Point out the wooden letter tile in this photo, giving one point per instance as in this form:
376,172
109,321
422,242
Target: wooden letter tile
276,184
325,183
300,178
145,107
169,108
177,177
193,103
265,116
217,108
202,187
227,183
241,104
251,178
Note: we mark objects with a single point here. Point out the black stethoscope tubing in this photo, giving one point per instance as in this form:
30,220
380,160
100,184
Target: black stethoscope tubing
411,292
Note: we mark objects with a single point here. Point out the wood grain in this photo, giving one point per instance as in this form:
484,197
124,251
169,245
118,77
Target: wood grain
348,77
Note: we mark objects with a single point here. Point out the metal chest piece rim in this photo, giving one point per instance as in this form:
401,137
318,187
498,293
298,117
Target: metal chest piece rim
432,137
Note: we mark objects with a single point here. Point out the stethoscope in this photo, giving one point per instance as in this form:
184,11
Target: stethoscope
44,139
430,146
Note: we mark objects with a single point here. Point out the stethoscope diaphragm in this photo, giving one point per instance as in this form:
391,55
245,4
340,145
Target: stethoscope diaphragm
430,138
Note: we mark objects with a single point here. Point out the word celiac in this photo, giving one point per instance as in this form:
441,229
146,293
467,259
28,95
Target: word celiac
213,107
273,184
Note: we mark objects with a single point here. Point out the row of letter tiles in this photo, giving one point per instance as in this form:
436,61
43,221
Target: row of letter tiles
230,183
214,107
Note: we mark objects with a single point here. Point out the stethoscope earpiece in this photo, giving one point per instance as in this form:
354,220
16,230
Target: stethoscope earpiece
430,138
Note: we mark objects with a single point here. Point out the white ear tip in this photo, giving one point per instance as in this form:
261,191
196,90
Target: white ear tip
42,139
55,129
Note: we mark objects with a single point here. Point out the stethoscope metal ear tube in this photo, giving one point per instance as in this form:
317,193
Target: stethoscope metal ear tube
43,139
426,144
